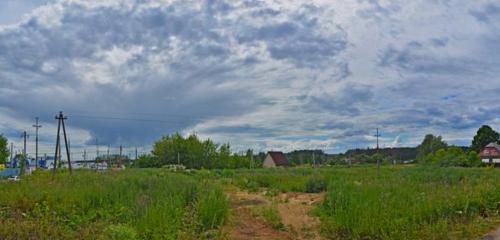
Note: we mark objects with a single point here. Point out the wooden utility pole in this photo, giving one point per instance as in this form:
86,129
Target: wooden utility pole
25,157
378,160
85,157
36,126
97,153
120,159
314,160
60,122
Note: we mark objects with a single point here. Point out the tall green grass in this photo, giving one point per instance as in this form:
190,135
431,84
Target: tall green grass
142,204
412,203
404,202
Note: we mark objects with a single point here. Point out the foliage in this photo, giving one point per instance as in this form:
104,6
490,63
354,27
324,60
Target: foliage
453,157
429,145
212,208
4,149
120,232
271,216
127,204
146,161
315,184
399,154
195,153
484,136
410,203
404,202
309,157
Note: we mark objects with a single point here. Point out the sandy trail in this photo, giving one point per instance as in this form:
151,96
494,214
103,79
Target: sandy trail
493,235
294,210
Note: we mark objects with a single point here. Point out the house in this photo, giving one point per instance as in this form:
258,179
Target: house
490,154
275,159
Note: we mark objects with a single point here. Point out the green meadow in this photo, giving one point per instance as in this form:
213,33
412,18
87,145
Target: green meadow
360,202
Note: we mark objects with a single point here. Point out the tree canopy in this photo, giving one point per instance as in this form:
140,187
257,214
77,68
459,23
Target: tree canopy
429,145
484,136
194,153
4,149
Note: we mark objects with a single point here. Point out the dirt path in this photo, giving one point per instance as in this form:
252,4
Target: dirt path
293,209
494,235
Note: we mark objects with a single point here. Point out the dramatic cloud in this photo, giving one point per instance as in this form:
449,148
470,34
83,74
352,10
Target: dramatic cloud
257,74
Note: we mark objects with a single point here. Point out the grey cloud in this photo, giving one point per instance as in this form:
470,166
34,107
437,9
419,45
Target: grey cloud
345,101
486,13
414,58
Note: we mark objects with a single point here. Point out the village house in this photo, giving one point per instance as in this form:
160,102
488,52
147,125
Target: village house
490,154
275,159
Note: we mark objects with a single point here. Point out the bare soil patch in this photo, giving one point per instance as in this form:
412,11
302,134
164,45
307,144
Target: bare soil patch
294,210
493,235
243,225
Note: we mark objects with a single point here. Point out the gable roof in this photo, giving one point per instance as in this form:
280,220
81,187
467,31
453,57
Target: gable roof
279,158
493,145
487,151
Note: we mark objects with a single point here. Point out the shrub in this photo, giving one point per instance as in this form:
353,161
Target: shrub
315,184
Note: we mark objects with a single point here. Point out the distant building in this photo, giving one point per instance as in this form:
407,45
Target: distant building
275,159
490,154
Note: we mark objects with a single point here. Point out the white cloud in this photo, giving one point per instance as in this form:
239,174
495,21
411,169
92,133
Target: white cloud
260,74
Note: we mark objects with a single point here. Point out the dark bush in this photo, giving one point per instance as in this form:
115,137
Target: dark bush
315,185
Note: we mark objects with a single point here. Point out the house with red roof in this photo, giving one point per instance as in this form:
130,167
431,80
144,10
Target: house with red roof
490,154
275,159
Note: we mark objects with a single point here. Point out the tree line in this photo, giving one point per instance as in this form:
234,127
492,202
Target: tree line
192,152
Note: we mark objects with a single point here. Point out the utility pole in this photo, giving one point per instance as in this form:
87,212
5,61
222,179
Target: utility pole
97,152
378,160
178,159
314,160
107,157
85,157
136,153
60,121
25,158
36,126
120,159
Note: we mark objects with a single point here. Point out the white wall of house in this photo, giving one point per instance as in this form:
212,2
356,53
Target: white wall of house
487,160
268,162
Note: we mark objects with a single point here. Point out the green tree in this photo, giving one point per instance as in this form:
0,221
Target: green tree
193,153
430,145
147,161
448,157
473,159
484,136
4,150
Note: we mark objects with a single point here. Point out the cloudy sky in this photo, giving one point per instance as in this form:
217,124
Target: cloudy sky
261,74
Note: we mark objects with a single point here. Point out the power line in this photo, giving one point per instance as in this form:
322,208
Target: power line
128,119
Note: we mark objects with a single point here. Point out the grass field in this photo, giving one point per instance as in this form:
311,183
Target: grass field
132,204
360,202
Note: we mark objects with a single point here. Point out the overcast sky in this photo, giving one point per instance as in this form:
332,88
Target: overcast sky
265,74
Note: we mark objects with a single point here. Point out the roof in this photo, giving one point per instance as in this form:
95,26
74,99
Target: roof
279,158
494,145
487,153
